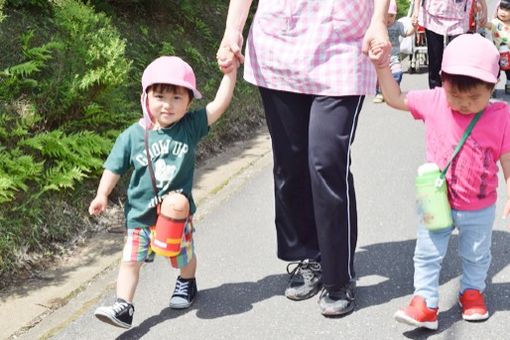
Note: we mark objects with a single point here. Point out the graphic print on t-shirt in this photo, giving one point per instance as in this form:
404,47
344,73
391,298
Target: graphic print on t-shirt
164,173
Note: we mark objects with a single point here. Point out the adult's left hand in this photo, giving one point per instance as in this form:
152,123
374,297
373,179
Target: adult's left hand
481,9
376,32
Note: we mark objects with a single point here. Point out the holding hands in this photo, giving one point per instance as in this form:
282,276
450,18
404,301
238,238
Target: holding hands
376,43
229,55
379,53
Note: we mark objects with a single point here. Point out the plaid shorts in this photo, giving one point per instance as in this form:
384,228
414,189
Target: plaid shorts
137,247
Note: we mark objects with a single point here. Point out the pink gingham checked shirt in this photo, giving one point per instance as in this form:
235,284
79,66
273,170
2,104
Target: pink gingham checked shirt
311,47
445,17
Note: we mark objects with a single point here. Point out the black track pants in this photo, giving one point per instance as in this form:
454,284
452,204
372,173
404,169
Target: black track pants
315,203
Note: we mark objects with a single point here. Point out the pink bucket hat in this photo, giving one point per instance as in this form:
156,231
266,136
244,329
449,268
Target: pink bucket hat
392,9
472,55
166,70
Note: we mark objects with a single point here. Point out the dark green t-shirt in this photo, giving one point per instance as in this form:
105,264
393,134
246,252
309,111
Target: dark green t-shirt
172,152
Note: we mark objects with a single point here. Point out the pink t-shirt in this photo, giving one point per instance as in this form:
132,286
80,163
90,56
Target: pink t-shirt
445,17
473,175
310,46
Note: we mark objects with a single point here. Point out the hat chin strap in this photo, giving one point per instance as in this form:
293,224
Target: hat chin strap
146,120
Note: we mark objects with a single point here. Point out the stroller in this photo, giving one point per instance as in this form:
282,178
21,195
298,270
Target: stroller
417,50
419,56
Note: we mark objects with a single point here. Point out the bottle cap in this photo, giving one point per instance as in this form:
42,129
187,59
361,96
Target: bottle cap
427,168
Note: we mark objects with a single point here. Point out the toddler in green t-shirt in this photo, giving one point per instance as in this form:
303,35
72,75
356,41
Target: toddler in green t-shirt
160,149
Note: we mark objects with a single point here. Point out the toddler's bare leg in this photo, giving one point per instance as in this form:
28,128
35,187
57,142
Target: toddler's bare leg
127,280
188,272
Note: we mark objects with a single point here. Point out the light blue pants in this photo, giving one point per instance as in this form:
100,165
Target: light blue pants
475,231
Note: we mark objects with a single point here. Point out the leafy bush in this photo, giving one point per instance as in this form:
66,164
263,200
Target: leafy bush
2,16
58,108
403,7
69,83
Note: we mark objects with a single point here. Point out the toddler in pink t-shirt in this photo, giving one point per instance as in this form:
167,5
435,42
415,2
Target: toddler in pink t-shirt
469,73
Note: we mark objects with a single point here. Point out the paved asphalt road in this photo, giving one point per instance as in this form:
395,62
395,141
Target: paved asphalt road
241,282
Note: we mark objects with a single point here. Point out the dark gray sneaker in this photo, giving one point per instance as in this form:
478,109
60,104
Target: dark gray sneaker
339,302
305,280
184,293
120,314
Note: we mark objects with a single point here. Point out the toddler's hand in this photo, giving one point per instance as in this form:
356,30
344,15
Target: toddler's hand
226,56
98,205
229,54
378,54
414,22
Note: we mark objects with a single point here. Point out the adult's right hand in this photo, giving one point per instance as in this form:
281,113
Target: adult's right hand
230,49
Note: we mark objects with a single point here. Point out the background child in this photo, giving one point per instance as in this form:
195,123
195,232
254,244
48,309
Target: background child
168,88
469,73
500,30
396,29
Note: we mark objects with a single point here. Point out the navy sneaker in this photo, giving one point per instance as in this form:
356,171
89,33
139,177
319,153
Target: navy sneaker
184,293
120,314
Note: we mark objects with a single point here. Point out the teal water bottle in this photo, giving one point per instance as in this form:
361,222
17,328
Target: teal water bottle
432,198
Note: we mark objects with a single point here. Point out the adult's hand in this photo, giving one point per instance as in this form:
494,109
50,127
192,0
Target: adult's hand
377,32
481,9
229,54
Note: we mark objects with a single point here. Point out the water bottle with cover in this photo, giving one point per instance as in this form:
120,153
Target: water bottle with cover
432,198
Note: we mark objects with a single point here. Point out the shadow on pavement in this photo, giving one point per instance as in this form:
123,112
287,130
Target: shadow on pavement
391,260
394,261
217,302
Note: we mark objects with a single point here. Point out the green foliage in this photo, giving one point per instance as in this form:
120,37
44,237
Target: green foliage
69,83
167,48
402,8
27,3
62,100
69,158
7,188
92,65
194,56
2,15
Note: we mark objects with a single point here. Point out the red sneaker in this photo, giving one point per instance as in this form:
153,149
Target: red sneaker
473,305
418,314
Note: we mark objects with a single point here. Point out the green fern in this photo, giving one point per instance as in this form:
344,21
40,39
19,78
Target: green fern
7,188
167,48
19,168
83,149
62,177
24,69
197,59
2,15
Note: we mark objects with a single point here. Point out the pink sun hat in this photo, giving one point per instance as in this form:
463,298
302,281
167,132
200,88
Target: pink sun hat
392,9
472,55
166,70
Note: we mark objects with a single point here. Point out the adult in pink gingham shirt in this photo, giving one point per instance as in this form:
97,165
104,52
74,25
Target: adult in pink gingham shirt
306,58
444,20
